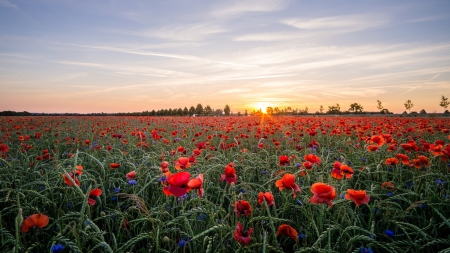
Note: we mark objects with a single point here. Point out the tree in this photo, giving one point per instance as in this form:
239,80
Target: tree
269,110
191,110
379,106
409,105
245,113
218,112
185,111
334,109
444,103
355,107
306,110
276,110
199,109
207,111
321,109
227,110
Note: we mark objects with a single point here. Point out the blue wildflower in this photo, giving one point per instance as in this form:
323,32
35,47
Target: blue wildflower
365,250
298,165
243,191
57,248
132,182
439,182
264,172
390,194
301,236
389,233
299,202
182,242
116,190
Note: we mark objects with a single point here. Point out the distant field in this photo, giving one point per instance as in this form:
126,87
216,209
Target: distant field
225,184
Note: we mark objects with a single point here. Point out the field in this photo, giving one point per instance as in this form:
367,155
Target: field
224,184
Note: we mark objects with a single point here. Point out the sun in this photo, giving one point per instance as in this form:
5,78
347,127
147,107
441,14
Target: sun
262,106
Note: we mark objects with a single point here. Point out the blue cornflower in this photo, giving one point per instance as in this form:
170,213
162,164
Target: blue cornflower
116,190
243,191
389,233
349,163
298,165
390,169
114,198
176,139
182,242
299,202
132,182
440,182
264,172
301,236
162,179
390,194
57,248
365,250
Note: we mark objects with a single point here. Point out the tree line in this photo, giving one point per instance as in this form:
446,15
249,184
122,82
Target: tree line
199,110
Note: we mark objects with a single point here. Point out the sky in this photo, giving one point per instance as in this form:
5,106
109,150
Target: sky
130,56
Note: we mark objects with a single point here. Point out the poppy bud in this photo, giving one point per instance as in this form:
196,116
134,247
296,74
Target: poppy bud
19,217
166,239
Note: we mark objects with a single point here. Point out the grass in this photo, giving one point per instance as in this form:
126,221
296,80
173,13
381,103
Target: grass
414,217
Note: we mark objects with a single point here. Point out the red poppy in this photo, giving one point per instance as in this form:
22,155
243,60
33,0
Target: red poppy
242,207
347,171
67,180
388,185
92,195
323,193
178,184
288,231
288,182
391,161
421,161
164,167
372,148
114,165
230,175
197,183
308,165
270,201
78,170
403,158
357,196
436,150
377,139
284,160
241,236
181,149
312,159
131,175
34,221
182,163
4,148
336,171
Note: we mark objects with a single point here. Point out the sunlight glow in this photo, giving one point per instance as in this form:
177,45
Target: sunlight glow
262,106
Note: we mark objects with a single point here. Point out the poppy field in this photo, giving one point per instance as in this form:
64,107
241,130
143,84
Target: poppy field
224,184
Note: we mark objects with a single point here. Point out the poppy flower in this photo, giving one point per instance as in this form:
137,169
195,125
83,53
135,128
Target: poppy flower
164,167
357,196
114,165
270,201
130,175
230,175
377,139
436,150
177,184
403,158
388,185
421,161
92,195
4,148
336,171
197,183
182,163
391,161
34,221
78,170
241,236
372,148
308,165
312,159
284,160
323,193
242,207
288,182
67,180
347,171
407,147
288,231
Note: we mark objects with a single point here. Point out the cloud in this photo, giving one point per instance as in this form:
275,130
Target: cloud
236,7
185,32
346,23
236,90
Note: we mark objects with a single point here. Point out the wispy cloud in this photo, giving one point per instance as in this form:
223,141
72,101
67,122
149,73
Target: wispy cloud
237,7
236,90
346,23
185,32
